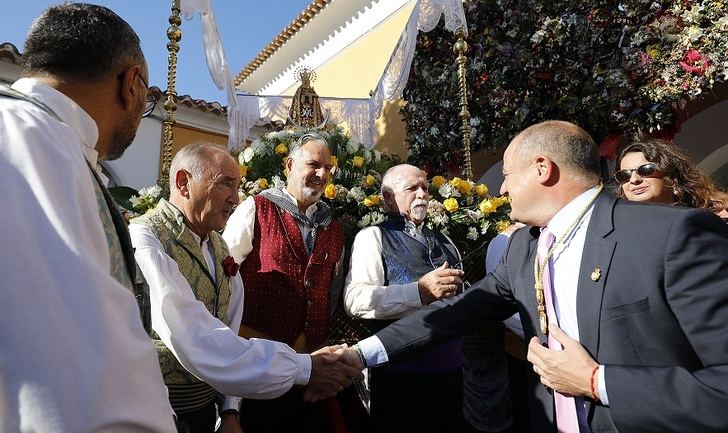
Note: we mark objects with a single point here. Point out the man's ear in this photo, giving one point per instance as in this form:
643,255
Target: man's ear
548,172
181,182
131,86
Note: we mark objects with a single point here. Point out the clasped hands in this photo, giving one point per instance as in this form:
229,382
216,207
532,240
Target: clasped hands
567,371
333,368
439,283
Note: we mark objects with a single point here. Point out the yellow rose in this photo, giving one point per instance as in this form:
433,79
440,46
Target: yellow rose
243,170
330,191
502,225
372,200
450,205
369,180
462,185
501,200
281,150
438,181
653,51
487,206
262,183
334,161
357,161
481,189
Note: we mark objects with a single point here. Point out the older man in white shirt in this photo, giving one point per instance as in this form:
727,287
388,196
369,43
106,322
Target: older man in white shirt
197,297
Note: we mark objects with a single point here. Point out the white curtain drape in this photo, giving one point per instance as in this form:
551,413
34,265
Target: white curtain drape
245,111
219,68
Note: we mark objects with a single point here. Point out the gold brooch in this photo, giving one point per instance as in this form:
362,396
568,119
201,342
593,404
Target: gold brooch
596,274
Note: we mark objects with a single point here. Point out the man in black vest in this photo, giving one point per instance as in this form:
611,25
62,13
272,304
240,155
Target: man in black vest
397,268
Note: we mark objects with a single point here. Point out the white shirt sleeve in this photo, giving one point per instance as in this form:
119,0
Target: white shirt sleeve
75,356
239,231
209,349
365,295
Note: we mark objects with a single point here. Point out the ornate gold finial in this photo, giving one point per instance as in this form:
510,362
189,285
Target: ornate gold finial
174,34
305,109
460,48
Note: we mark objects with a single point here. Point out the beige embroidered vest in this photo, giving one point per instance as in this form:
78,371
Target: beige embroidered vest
167,224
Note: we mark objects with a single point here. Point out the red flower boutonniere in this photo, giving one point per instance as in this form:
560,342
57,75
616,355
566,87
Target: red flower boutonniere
230,267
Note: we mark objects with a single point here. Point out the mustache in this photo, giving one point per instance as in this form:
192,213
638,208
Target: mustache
419,202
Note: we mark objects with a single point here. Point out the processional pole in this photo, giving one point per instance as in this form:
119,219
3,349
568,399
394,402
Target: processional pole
174,34
460,48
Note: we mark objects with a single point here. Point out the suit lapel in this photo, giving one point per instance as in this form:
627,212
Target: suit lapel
525,285
595,262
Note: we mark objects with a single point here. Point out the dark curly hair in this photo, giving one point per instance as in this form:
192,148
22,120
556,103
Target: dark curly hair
81,41
692,188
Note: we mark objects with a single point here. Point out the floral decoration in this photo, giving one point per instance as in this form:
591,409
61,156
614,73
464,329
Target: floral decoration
458,207
614,68
230,267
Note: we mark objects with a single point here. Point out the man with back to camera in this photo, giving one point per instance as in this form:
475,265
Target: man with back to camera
75,356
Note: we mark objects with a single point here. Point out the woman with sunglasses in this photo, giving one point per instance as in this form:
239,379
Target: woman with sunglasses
660,172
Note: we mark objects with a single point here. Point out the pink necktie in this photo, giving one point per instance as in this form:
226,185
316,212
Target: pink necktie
566,418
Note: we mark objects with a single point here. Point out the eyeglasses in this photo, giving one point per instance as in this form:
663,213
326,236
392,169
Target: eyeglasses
644,170
152,99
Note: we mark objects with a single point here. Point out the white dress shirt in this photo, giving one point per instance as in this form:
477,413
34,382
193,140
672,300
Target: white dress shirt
74,354
365,295
203,344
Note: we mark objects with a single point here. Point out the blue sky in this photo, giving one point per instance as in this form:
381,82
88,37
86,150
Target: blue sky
246,26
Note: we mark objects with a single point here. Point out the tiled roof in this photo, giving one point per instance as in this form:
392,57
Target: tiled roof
291,29
8,53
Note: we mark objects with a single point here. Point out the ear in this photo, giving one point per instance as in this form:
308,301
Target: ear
389,199
289,164
131,86
546,169
181,183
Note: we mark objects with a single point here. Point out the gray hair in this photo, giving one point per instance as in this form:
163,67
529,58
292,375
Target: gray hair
568,146
193,158
294,151
392,181
82,41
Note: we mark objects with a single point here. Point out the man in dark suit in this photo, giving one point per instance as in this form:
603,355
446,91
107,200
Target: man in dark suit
639,300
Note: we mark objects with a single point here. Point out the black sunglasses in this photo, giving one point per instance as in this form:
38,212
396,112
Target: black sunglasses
644,170
152,100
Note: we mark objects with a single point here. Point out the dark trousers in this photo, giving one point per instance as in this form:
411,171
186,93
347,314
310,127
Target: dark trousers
404,402
285,414
199,421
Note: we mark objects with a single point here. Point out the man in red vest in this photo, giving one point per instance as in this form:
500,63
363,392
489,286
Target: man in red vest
290,251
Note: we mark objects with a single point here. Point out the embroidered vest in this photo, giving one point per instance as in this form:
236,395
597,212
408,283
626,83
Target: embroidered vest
405,260
167,224
287,290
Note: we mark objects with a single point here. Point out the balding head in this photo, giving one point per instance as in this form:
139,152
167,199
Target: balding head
567,145
405,190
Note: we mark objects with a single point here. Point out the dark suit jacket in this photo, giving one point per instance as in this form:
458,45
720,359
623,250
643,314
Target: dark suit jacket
657,318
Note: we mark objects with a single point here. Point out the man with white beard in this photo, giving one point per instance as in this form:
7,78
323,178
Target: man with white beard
397,268
290,252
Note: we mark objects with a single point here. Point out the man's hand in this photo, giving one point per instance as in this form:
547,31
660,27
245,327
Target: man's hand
567,371
330,372
229,423
439,283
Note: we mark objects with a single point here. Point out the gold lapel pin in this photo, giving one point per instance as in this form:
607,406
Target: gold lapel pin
596,274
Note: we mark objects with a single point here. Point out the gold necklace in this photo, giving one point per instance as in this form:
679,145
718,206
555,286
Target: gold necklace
538,268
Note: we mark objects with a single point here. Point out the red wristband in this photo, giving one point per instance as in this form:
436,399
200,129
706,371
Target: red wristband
593,393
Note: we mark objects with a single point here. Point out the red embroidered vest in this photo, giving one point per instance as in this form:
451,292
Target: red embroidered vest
286,290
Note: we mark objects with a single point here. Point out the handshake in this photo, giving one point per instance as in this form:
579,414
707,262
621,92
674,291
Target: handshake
333,368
